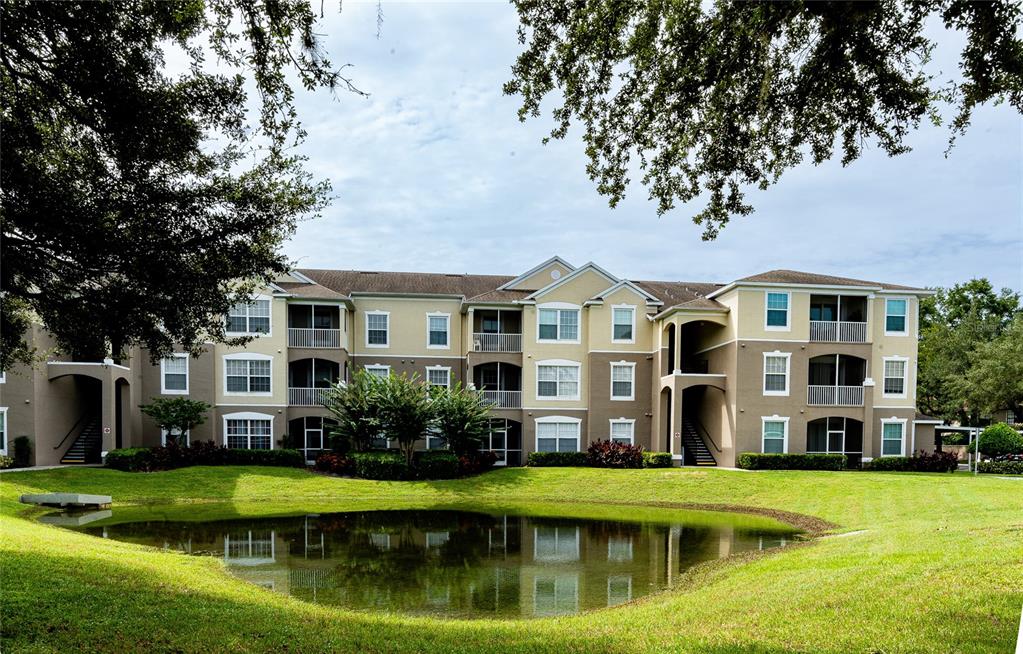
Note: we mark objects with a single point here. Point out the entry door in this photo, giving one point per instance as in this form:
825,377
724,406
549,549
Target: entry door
498,441
313,440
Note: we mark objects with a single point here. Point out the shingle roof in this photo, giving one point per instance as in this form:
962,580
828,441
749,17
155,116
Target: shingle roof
359,281
924,416
797,277
683,293
300,289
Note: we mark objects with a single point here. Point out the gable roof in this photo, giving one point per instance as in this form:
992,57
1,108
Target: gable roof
651,299
368,282
783,276
589,266
535,269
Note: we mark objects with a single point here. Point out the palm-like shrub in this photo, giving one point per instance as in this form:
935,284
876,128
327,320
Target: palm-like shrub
355,407
405,411
462,420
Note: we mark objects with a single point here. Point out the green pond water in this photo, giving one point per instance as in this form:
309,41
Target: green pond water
458,563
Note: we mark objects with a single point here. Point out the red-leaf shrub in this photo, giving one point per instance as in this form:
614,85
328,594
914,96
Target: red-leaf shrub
474,463
934,462
336,464
612,454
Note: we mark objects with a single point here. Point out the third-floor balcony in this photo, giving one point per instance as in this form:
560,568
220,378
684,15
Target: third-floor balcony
314,325
497,330
838,319
502,399
488,342
314,337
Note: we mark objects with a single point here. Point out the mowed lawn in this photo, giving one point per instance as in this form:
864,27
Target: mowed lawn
916,563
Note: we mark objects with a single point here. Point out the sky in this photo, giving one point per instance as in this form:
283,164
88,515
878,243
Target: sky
434,172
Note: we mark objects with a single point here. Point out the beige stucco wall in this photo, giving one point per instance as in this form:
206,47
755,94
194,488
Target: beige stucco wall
542,277
603,408
600,326
407,324
752,315
889,345
274,345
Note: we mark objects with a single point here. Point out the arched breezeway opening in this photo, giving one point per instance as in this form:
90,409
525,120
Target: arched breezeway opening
836,435
704,423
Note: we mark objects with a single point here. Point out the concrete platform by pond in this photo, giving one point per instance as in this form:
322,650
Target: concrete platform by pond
75,519
68,499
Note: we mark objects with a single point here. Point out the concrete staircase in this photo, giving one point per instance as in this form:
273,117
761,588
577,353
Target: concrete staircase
87,446
696,451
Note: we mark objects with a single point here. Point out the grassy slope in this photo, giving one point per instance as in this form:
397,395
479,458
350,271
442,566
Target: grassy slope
940,568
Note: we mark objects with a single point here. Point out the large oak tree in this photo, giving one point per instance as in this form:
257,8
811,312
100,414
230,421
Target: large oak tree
708,99
134,197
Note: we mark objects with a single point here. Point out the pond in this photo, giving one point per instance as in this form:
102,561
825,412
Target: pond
460,563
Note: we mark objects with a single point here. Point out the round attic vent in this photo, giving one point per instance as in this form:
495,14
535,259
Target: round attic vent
555,274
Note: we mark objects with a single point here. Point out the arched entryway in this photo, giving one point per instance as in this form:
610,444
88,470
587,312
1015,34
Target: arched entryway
704,422
836,435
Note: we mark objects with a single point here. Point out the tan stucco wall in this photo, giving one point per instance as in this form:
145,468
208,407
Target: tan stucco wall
408,326
541,278
274,345
600,326
603,408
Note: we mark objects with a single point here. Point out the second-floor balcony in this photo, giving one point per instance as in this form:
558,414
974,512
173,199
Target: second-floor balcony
838,319
307,396
314,337
819,395
836,380
502,399
488,342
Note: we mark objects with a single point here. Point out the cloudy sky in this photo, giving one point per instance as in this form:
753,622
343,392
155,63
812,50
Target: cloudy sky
434,172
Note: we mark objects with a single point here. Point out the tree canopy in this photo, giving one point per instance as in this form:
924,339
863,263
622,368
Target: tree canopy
134,197
708,100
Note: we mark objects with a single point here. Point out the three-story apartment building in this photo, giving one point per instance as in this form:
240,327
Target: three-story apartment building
782,361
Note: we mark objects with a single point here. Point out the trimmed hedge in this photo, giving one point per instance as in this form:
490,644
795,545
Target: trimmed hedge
151,459
922,462
437,464
757,461
1001,467
382,466
555,459
1000,439
656,459
612,454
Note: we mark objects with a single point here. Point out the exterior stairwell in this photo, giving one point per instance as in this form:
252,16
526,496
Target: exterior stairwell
87,445
696,452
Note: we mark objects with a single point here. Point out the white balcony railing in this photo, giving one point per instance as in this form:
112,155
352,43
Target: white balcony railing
835,331
310,337
307,396
834,395
482,342
502,399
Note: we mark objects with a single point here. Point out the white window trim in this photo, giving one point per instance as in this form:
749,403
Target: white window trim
573,556
366,315
559,362
163,375
785,437
270,323
902,441
788,373
378,366
247,415
187,437
631,422
622,398
611,578
905,376
905,318
447,330
6,430
446,369
630,307
557,419
788,312
248,356
560,306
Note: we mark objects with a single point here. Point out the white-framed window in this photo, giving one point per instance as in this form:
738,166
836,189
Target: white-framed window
555,594
776,310
435,440
555,543
248,431
3,430
619,549
174,375
250,318
776,372
378,328
619,589
378,370
557,434
895,369
774,435
557,379
623,324
893,437
623,380
623,430
438,331
896,316
182,439
438,376
248,374
557,323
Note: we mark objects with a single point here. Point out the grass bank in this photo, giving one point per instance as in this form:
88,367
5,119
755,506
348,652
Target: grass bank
933,563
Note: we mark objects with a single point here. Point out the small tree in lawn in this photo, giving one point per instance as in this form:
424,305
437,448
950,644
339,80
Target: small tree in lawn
176,415
406,411
462,419
354,406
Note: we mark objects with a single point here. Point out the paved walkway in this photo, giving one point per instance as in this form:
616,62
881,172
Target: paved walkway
68,465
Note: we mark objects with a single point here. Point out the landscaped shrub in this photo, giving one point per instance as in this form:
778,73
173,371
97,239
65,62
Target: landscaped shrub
437,464
756,461
612,454
150,459
473,463
1009,465
6,461
386,466
22,452
334,463
555,459
999,439
656,459
921,462
283,458
130,459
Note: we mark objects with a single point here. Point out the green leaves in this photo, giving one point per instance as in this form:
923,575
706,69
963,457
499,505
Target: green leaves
706,101
176,414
